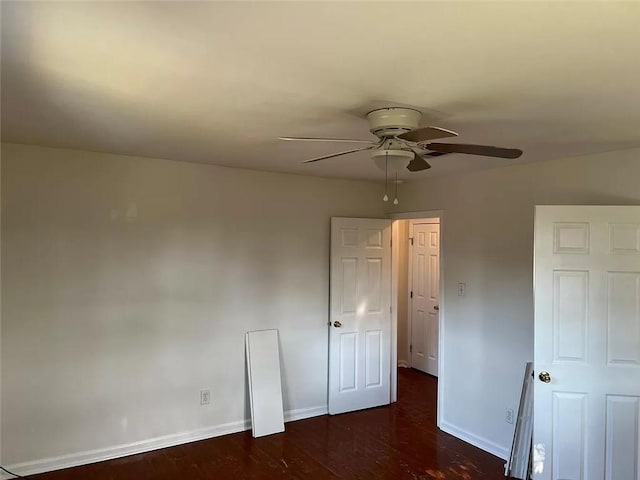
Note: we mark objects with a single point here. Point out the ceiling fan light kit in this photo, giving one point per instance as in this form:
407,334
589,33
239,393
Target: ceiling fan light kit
395,160
401,142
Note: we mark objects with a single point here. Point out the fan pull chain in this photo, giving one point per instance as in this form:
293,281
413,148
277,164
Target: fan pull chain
386,168
395,200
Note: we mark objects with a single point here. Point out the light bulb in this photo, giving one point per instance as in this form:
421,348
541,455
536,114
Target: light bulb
395,201
385,198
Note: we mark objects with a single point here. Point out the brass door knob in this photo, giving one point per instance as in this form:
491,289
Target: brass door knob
337,324
437,307
544,377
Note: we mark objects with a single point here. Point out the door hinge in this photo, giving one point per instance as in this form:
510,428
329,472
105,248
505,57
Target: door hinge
411,238
410,348
411,294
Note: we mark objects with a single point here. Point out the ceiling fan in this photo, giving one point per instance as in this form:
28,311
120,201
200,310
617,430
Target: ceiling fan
401,141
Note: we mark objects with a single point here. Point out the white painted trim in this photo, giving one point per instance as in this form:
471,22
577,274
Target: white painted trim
409,297
395,254
403,364
424,221
117,451
302,413
412,223
475,440
441,327
421,214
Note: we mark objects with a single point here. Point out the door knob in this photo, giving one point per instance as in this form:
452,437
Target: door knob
337,324
544,377
437,307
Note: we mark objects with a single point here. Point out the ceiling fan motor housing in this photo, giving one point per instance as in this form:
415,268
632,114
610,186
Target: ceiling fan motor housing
388,122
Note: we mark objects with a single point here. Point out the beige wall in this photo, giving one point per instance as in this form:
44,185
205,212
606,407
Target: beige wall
488,243
128,284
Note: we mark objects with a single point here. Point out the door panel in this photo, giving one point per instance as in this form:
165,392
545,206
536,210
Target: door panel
623,437
374,285
373,359
348,291
570,294
418,337
348,367
425,280
432,349
623,318
587,336
569,434
360,314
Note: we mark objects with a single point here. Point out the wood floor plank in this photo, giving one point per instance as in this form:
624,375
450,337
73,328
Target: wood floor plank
399,441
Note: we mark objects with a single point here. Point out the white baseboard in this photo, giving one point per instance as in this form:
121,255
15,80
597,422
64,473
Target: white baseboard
403,364
475,440
302,413
109,453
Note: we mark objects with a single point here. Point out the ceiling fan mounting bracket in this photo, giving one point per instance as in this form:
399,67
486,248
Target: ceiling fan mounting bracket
392,121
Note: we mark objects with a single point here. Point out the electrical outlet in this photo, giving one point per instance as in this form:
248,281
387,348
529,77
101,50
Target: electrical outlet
508,416
462,289
205,397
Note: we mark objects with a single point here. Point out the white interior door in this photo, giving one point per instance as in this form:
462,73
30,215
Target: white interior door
425,284
360,314
587,338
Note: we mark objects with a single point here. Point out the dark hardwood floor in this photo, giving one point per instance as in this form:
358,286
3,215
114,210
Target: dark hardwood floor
400,441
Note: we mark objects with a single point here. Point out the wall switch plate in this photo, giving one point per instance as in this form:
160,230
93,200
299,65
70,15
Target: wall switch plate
462,289
508,416
205,397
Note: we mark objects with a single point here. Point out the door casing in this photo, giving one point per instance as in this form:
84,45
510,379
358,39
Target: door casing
411,265
395,251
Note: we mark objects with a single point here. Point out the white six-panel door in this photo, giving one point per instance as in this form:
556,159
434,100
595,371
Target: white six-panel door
425,284
360,314
587,338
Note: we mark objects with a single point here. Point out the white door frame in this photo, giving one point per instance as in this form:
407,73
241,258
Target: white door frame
395,250
434,221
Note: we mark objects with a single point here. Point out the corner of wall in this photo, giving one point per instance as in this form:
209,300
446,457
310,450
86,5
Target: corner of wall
477,441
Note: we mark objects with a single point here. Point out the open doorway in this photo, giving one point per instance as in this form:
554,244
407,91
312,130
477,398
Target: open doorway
422,324
417,281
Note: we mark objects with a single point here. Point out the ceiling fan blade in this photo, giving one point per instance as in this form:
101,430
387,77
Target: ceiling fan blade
310,139
426,133
486,150
340,153
434,154
418,163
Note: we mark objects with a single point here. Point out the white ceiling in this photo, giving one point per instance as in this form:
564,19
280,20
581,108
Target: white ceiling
219,82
